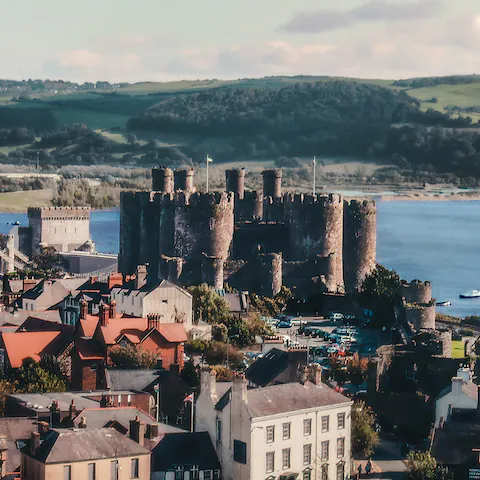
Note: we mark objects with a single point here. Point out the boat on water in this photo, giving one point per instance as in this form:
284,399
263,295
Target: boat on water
16,223
472,294
443,304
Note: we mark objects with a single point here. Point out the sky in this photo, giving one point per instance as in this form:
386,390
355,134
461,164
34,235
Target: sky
156,40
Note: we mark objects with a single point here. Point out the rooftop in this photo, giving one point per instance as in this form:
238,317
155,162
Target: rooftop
82,445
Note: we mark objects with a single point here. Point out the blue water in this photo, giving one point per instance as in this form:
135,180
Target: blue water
436,241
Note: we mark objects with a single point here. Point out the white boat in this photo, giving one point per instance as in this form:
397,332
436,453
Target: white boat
444,304
472,294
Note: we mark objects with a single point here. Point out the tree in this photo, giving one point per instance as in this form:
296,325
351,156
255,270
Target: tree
219,332
190,375
364,436
357,369
208,305
421,466
382,282
31,378
48,264
131,357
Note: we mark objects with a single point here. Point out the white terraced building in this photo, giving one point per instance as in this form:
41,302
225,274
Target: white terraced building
289,431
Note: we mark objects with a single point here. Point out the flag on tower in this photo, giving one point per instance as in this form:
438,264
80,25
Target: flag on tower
209,160
190,398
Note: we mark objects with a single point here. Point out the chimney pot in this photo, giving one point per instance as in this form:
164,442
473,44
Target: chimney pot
104,314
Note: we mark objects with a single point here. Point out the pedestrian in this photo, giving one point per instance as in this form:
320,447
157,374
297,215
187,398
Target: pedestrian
368,467
359,470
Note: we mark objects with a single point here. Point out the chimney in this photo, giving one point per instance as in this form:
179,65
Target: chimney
208,383
175,369
104,314
154,430
72,410
457,384
113,309
239,388
83,309
137,430
141,277
34,442
82,423
315,373
55,413
43,428
115,279
153,320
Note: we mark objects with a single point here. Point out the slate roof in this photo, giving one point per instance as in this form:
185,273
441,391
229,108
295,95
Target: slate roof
284,398
99,417
453,444
14,430
19,316
131,379
237,302
468,388
82,445
129,287
42,401
185,449
268,367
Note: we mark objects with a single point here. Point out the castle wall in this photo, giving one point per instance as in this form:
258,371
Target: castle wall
360,242
64,228
420,316
316,229
270,274
235,182
128,257
212,271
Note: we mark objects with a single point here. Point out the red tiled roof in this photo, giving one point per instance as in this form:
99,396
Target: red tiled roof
173,332
21,345
88,350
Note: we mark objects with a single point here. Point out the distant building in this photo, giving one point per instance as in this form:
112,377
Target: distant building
170,303
292,430
462,394
84,453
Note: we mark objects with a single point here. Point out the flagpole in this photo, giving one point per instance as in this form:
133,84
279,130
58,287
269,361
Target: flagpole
314,164
207,161
192,414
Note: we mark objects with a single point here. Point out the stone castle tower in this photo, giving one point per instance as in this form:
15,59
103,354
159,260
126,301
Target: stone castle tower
252,240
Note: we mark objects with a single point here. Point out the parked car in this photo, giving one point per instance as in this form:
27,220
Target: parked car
284,324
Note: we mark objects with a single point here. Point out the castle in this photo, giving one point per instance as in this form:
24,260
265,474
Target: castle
250,240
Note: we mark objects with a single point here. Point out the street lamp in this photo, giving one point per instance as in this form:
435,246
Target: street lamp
207,161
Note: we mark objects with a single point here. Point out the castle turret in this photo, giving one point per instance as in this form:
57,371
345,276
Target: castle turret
235,182
162,180
270,273
360,242
272,183
212,271
183,180
417,292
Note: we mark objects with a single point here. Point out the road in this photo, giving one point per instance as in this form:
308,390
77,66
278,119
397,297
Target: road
387,462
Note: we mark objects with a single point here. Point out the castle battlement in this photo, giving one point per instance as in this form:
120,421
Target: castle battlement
363,207
309,198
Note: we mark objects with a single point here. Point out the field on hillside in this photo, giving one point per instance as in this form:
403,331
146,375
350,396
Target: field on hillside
20,201
467,95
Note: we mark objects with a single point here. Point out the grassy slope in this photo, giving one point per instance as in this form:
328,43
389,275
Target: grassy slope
20,201
457,349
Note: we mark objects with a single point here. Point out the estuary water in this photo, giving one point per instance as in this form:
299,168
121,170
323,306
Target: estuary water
436,241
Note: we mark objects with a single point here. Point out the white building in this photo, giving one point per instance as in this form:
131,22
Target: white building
171,303
289,431
461,394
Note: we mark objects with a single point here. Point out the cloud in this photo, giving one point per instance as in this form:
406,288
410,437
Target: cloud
80,59
319,21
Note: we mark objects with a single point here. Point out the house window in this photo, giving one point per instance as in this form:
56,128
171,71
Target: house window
207,475
324,472
307,427
307,475
219,430
129,400
307,454
341,471
135,466
324,448
114,470
91,471
341,420
270,462
119,400
270,434
240,452
340,447
286,431
325,423
67,472
286,458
